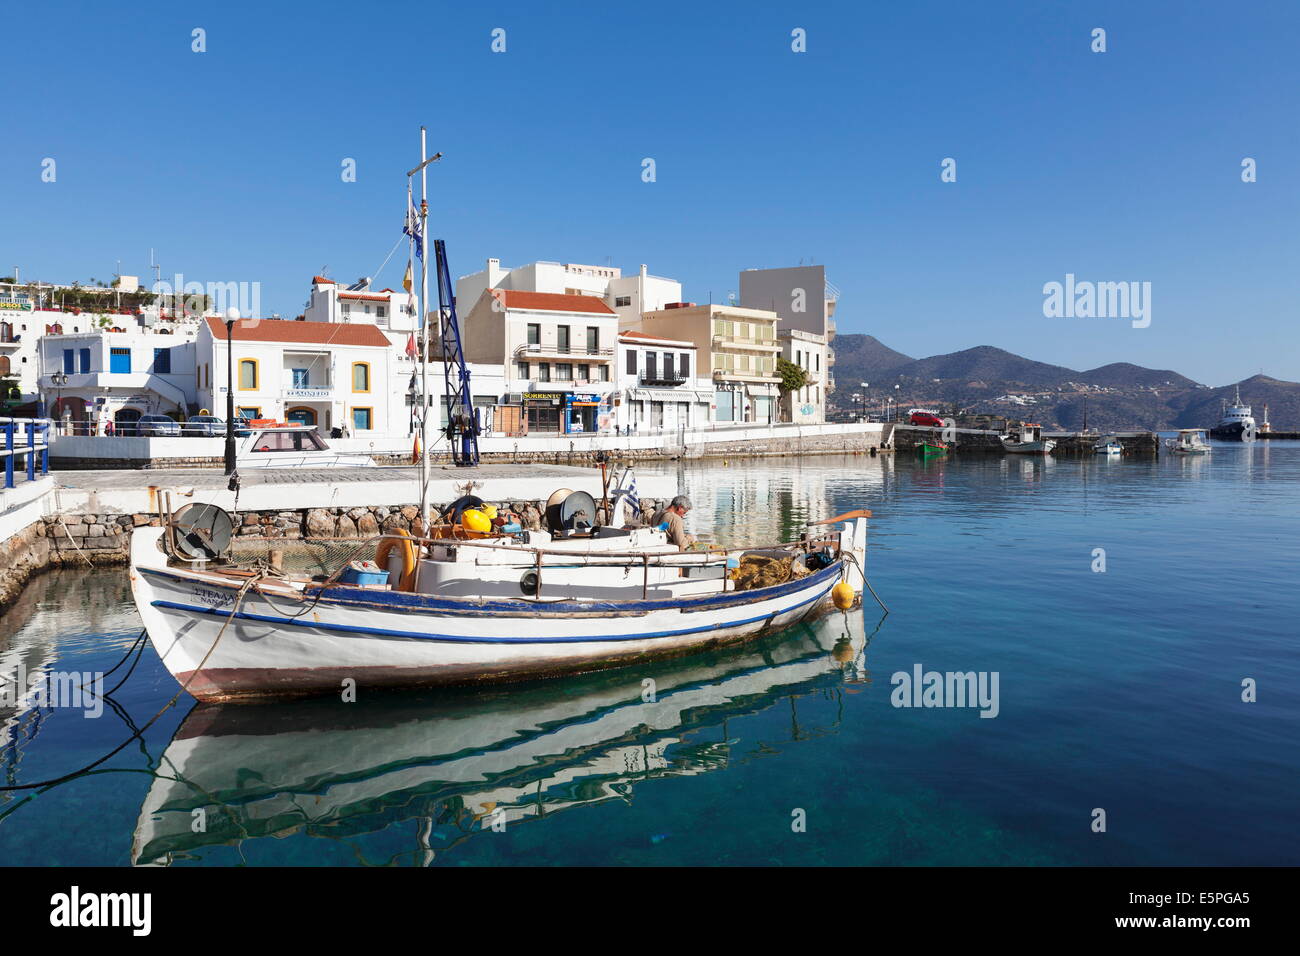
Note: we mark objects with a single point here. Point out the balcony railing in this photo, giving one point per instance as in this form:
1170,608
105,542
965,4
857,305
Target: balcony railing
662,379
746,342
552,351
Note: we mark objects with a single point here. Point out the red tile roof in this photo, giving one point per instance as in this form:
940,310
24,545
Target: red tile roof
363,295
287,330
321,280
553,302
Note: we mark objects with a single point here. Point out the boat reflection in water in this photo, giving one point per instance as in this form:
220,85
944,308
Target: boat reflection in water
462,763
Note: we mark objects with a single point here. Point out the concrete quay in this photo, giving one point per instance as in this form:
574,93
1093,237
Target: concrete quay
85,518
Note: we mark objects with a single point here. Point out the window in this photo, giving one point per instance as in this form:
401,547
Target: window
562,338
534,333
685,363
604,373
162,361
249,411
593,340
119,360
361,377
622,301
563,372
651,366
301,416
83,359
631,361
361,419
382,312
584,372
301,379
347,310
543,371
69,361
523,369
668,366
248,375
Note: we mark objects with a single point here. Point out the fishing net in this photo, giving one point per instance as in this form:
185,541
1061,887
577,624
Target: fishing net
309,556
762,571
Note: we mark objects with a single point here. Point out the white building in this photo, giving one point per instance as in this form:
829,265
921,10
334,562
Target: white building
331,375
659,388
118,374
627,296
557,355
810,352
358,303
33,309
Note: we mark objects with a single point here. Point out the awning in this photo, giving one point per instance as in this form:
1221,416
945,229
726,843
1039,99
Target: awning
669,395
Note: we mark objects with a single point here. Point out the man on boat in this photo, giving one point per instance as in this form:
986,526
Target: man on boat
670,520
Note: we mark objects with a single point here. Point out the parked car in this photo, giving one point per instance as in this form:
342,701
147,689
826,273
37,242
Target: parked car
204,426
157,426
926,418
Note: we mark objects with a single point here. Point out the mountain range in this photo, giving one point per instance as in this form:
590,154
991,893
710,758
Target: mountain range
984,379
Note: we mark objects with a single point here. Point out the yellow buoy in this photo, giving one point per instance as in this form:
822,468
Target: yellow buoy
473,520
490,511
843,595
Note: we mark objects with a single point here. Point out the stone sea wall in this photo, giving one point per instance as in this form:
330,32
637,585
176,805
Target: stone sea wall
99,540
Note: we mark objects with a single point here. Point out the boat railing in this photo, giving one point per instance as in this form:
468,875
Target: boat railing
351,548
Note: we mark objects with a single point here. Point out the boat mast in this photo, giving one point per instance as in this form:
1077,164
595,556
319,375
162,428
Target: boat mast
424,332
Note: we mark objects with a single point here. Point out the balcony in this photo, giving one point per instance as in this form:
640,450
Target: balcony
737,343
662,380
726,375
525,352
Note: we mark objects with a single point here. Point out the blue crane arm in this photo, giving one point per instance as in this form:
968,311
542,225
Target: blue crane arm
462,422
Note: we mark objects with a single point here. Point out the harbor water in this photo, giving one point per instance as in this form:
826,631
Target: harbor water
1133,624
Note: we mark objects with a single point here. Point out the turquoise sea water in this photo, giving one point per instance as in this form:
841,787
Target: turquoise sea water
1118,690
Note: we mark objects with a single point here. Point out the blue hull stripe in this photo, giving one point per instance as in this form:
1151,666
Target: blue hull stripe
345,596
460,639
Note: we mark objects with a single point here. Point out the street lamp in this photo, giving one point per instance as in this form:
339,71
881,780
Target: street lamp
232,316
58,380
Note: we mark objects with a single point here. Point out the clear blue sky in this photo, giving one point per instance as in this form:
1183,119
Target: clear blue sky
1116,166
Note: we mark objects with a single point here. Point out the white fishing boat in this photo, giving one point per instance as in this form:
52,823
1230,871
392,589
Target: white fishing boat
1027,439
1111,447
1190,441
461,608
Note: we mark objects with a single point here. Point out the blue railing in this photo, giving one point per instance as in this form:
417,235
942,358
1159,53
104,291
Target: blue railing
25,438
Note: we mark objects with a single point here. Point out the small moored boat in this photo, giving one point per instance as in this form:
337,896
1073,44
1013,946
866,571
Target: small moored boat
1190,441
1111,447
229,621
1027,439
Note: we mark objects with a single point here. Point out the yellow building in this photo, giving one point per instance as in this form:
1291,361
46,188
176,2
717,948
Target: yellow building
737,346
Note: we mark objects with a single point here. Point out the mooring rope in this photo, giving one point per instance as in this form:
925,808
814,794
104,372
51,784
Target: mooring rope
234,611
853,559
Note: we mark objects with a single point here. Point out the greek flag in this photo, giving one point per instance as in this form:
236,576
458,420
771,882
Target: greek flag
632,498
412,227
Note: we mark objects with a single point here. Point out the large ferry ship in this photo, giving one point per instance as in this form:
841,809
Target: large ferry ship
1236,421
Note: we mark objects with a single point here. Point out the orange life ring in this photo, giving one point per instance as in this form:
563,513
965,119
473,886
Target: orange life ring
404,541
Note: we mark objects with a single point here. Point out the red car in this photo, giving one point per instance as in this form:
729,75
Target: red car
926,418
